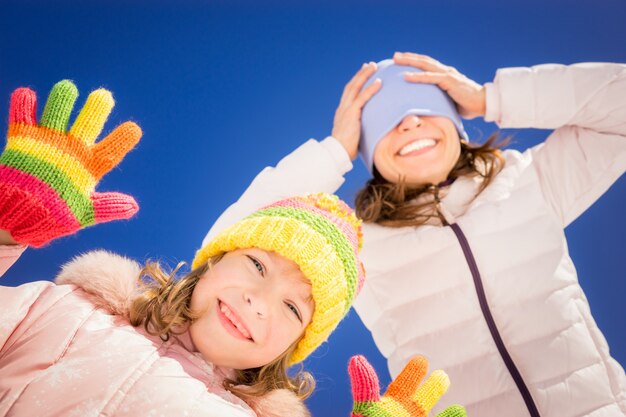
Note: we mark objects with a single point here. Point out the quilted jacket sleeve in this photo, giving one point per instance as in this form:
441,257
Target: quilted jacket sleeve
213,406
15,302
312,167
586,105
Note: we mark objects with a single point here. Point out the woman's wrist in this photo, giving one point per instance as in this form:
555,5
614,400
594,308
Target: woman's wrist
492,103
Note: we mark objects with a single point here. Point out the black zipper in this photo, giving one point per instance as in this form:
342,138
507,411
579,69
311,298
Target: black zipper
495,334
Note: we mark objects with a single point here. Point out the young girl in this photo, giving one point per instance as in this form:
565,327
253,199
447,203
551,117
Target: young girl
110,338
464,245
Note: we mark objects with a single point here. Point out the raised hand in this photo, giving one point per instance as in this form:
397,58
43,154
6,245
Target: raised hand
48,175
347,123
468,95
405,397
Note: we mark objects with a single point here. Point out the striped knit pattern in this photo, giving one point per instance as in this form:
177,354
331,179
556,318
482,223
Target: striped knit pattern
322,235
48,176
405,397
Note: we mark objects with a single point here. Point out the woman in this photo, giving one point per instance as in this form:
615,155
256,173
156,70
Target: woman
464,246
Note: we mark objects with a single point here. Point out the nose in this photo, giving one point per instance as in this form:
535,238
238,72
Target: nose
411,121
257,303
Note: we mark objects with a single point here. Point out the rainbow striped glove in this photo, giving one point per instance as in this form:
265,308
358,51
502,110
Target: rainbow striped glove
48,175
404,397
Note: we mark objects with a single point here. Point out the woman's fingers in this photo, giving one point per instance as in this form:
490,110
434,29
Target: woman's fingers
367,93
347,122
349,116
354,86
468,95
443,80
350,111
423,62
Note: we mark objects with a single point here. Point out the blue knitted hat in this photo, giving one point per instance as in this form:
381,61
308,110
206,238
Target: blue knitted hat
397,99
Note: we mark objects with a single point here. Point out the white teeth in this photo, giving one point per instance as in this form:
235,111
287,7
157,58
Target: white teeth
417,145
234,320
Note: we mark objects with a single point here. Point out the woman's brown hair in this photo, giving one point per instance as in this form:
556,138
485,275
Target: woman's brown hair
163,308
396,204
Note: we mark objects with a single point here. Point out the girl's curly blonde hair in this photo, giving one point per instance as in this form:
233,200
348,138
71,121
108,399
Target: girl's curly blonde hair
163,308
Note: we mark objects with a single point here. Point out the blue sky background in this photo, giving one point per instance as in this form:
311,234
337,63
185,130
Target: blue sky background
225,88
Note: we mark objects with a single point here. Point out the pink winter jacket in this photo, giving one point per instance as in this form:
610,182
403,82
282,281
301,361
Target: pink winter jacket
67,349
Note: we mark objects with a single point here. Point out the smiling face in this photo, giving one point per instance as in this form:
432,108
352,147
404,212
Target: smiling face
421,149
254,305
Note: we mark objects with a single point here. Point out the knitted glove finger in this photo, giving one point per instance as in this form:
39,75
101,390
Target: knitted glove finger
407,382
364,381
93,115
113,206
427,395
51,175
59,106
406,390
404,397
453,411
23,106
112,149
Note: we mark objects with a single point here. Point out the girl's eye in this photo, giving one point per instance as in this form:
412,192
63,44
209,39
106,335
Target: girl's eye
258,265
295,311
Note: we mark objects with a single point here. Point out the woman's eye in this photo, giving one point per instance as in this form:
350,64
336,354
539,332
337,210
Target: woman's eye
295,311
258,265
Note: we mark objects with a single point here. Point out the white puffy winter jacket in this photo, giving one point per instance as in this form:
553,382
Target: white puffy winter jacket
493,298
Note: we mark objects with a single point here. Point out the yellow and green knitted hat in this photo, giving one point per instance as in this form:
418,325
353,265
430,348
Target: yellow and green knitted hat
321,234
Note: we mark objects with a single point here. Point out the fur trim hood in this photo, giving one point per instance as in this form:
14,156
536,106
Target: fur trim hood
111,281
